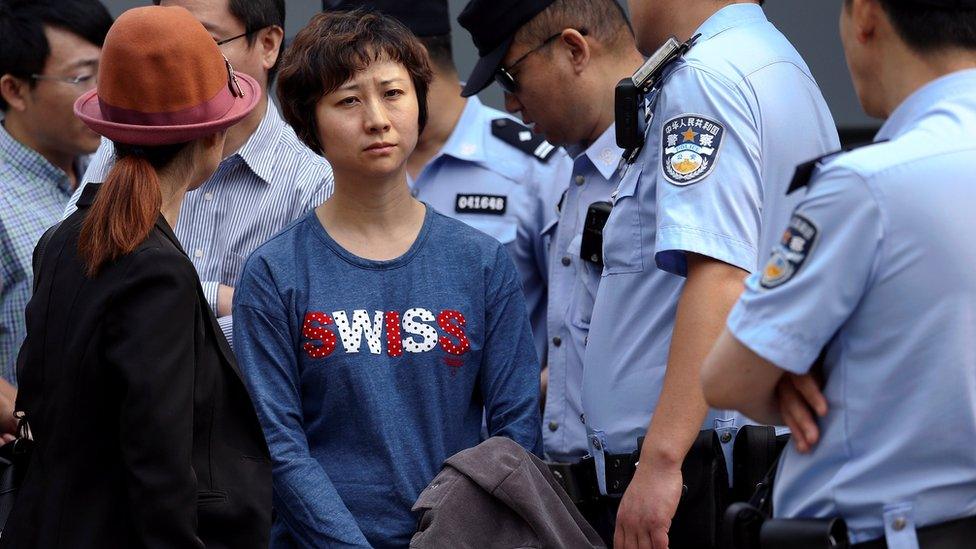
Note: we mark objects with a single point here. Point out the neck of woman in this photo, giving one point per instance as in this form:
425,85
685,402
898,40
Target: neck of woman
372,218
173,185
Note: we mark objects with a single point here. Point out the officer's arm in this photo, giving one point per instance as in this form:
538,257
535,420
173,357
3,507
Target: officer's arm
736,378
711,290
649,504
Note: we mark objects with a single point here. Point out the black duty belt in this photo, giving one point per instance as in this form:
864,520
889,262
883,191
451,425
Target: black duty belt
946,535
579,479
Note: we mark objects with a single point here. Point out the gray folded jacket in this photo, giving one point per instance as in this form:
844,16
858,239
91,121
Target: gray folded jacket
498,495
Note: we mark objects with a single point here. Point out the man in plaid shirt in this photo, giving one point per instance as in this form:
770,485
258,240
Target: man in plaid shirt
49,52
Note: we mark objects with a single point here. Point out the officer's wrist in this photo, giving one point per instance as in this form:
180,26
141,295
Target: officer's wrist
660,458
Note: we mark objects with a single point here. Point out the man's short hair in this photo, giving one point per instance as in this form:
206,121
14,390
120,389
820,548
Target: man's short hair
440,51
256,15
604,20
926,28
23,46
330,50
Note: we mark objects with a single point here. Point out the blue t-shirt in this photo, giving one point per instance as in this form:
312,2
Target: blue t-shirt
367,375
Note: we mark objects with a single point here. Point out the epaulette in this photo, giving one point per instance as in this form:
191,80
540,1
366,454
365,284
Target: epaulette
522,138
804,172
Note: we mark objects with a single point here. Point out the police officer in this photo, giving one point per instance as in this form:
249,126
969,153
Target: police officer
732,119
586,47
876,265
477,164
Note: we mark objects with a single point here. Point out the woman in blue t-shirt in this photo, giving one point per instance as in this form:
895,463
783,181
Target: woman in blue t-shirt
375,334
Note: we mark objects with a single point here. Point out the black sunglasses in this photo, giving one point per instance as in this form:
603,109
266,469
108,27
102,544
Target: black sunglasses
504,76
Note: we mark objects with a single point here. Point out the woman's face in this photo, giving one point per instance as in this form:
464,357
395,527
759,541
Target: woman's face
368,126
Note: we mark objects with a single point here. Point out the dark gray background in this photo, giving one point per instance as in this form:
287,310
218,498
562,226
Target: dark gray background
810,24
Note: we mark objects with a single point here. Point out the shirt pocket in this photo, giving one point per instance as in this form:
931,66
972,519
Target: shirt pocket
502,230
622,243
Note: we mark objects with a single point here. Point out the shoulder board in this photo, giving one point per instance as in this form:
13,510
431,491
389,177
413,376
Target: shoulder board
522,138
804,172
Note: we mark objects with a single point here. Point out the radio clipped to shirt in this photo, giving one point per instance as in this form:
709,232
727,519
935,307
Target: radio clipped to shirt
631,122
591,246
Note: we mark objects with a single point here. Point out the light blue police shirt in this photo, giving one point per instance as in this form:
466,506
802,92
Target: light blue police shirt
501,190
878,262
572,288
732,121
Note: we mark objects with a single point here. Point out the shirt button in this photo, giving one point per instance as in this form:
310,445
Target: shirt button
198,253
899,524
567,261
583,419
553,426
557,341
580,179
726,437
208,197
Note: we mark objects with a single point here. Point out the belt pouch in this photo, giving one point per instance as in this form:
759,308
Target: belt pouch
697,520
804,534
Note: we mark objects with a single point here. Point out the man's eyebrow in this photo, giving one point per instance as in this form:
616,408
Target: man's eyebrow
84,63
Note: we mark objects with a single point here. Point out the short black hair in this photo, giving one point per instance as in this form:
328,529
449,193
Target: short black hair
604,20
256,15
929,28
331,49
440,51
23,46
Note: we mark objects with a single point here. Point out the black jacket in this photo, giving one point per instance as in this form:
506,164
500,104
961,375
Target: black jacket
145,434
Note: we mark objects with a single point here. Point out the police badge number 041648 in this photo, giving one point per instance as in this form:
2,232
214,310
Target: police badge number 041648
793,250
690,144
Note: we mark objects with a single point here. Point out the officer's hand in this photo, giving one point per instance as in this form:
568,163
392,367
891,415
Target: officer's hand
799,399
647,508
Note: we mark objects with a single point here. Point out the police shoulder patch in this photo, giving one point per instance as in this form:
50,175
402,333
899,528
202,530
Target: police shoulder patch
690,145
522,138
792,251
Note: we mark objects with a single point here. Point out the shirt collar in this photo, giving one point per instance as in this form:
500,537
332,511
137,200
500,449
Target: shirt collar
467,141
27,159
734,15
259,151
604,153
921,102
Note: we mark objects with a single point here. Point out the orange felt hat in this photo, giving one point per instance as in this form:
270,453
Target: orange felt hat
163,80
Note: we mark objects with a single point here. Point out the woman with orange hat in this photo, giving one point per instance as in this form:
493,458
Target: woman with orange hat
144,434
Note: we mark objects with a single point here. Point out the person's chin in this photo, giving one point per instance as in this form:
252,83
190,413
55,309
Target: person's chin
383,166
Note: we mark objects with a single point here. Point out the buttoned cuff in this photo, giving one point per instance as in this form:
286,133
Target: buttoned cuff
673,243
226,324
210,294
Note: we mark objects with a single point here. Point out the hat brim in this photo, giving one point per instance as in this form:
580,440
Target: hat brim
87,108
484,70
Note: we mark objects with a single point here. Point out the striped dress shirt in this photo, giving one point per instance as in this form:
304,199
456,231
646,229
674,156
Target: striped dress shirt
271,181
32,196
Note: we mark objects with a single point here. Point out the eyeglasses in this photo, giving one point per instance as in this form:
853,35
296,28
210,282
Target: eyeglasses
504,75
242,35
73,80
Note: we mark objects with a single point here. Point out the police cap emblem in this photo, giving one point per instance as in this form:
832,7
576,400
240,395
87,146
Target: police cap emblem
691,144
792,251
